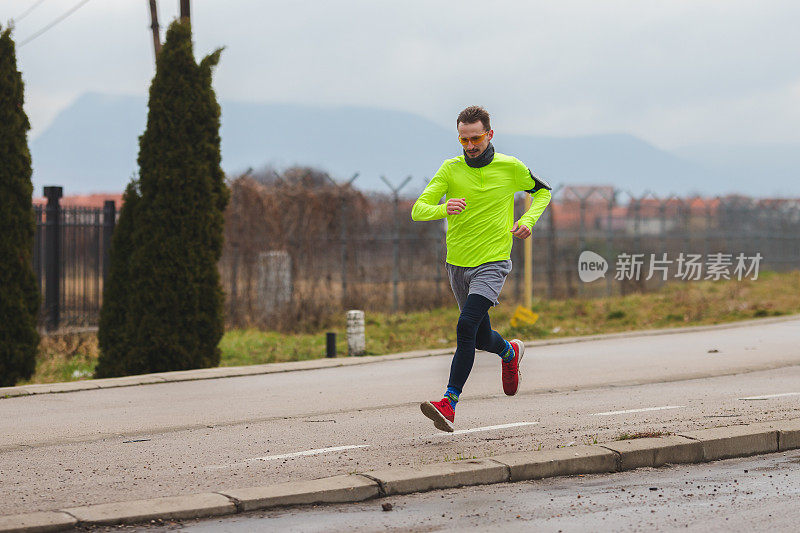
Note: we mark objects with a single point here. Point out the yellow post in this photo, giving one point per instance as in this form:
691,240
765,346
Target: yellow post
528,262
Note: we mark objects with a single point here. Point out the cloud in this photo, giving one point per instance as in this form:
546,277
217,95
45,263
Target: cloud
671,72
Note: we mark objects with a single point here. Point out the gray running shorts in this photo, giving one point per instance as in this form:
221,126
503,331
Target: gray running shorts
486,279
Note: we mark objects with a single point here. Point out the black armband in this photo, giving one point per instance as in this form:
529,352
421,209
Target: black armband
538,183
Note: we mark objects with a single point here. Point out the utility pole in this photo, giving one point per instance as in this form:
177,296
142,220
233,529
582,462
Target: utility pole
528,262
185,10
155,27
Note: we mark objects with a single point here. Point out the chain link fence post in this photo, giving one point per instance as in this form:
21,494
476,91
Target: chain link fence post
343,232
396,241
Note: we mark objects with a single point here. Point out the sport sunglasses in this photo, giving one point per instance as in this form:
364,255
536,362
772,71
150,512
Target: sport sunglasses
475,140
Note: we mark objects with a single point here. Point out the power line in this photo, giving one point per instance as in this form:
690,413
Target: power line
56,21
27,11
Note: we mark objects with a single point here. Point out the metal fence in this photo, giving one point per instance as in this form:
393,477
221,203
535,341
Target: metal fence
376,258
662,236
70,258
373,257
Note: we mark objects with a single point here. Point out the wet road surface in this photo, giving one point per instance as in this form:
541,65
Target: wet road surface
739,495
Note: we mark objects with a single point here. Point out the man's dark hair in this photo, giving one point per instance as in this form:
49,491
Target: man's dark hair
472,114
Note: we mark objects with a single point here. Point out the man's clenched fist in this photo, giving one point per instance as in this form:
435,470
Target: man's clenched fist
520,232
456,205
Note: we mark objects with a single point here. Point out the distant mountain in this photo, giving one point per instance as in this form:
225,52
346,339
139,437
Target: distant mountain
763,169
92,146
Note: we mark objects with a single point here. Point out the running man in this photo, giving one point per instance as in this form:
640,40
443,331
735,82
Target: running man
479,189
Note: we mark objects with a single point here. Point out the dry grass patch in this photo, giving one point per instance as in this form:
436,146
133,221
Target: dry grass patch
642,435
69,357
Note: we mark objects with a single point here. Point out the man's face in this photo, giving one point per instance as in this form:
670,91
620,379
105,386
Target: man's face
471,131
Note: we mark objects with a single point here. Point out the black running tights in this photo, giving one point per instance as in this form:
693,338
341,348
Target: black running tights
474,330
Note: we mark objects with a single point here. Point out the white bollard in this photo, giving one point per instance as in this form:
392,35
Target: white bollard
356,337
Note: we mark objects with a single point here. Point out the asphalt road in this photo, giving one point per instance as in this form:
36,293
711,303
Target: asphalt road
737,495
59,450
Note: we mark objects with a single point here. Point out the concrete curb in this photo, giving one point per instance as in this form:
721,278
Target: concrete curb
315,364
336,489
689,447
36,522
172,507
447,475
559,462
672,449
789,435
736,441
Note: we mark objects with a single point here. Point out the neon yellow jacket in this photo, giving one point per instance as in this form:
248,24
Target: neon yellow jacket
482,231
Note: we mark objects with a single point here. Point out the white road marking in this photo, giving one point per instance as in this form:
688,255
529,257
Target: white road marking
607,413
309,452
293,454
487,428
766,397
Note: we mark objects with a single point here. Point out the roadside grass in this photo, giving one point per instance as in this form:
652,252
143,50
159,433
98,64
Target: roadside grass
69,358
459,457
65,358
386,333
675,305
589,439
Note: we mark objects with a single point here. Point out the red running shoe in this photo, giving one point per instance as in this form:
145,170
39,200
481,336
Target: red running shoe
511,375
441,413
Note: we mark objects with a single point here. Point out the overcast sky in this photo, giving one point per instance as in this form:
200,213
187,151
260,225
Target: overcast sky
673,72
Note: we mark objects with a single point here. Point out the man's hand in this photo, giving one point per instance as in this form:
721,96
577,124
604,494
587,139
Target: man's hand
520,232
456,205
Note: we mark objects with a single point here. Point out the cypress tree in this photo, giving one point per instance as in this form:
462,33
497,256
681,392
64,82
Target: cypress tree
173,319
114,317
19,292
